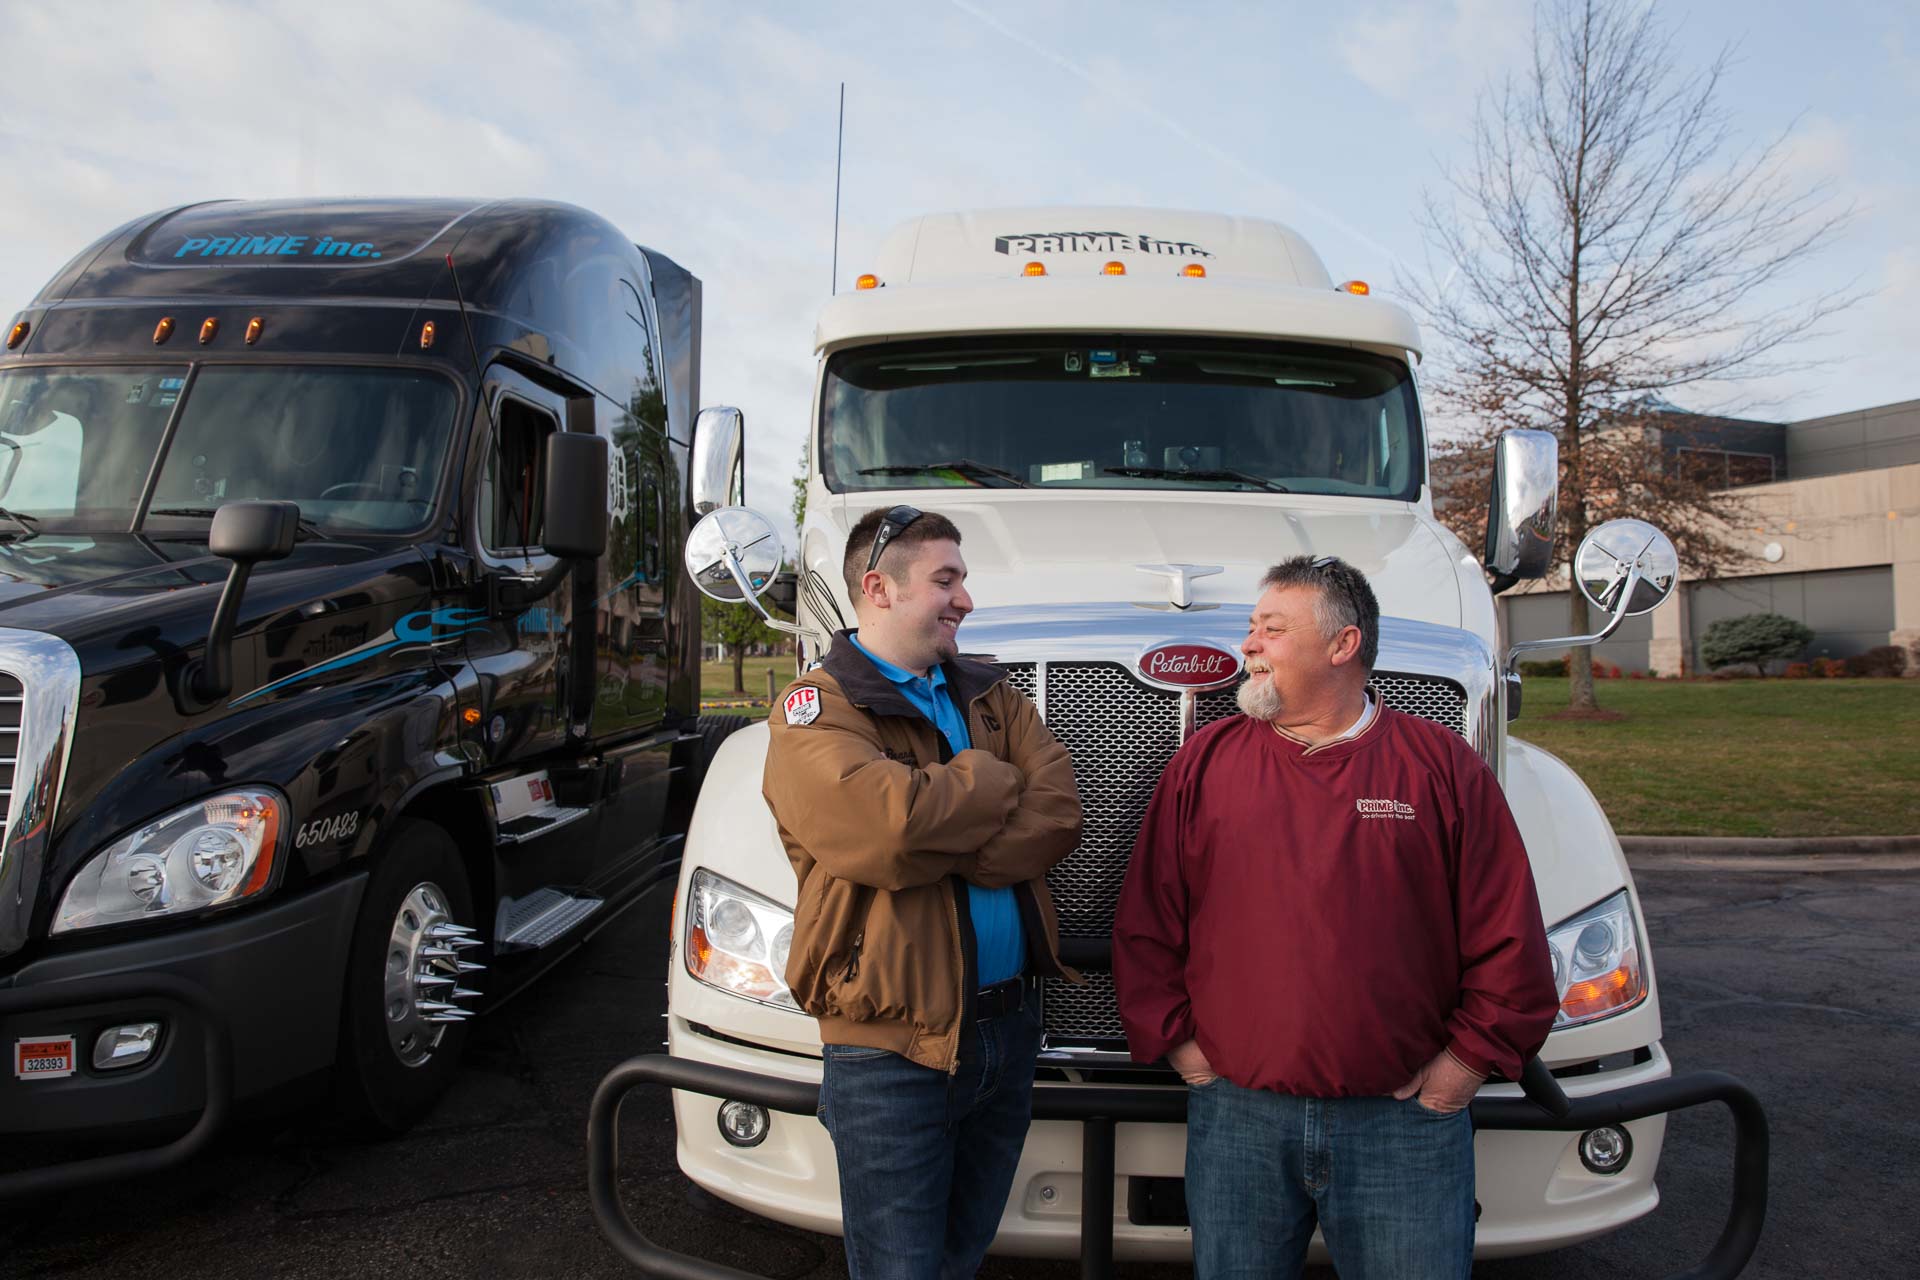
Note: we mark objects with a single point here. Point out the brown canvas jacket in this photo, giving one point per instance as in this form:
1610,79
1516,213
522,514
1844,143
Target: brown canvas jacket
885,826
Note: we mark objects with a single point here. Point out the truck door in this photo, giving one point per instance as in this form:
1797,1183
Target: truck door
524,659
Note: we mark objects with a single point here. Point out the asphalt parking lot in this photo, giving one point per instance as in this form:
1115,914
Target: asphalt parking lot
1805,983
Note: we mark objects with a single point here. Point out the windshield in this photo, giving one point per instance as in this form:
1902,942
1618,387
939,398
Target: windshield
1099,413
360,449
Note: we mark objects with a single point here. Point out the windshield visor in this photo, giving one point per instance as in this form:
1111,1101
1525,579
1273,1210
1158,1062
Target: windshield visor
359,449
1097,413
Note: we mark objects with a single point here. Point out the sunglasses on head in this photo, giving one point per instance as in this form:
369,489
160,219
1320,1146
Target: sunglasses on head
892,525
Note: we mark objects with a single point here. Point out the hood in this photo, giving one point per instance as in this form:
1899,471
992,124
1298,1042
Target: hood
120,598
1040,548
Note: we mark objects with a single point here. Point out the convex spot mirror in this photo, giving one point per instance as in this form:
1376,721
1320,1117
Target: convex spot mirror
733,554
1608,556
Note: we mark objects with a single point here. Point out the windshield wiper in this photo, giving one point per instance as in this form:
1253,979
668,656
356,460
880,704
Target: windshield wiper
30,525
965,466
1214,474
307,527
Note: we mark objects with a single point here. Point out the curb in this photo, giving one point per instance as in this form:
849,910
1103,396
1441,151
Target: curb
1798,846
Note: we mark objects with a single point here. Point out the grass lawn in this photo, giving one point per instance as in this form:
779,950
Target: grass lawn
716,682
1742,757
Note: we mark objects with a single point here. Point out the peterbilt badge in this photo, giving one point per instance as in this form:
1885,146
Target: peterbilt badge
1188,664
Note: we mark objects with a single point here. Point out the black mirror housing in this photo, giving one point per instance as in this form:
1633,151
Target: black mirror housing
576,505
249,532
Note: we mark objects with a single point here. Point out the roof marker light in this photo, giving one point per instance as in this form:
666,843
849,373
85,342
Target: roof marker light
1034,269
18,335
1194,269
1114,269
426,335
1358,288
867,281
163,330
254,326
208,328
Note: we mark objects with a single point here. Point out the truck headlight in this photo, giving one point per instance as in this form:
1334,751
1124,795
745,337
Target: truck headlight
1597,966
218,850
738,941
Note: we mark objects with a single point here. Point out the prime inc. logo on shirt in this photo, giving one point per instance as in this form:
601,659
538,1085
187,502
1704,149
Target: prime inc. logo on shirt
1384,809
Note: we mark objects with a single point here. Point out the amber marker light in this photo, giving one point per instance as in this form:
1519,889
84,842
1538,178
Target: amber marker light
163,330
1614,990
1034,269
254,326
1194,270
867,281
1114,269
208,328
1358,288
471,715
426,341
18,335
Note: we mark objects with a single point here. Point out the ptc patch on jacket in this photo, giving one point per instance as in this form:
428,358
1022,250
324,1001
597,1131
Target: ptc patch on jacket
803,705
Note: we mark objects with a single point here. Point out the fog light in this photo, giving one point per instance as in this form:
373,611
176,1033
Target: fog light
743,1124
1606,1149
126,1046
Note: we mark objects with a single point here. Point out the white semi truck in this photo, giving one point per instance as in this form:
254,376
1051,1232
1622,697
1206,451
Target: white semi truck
1130,414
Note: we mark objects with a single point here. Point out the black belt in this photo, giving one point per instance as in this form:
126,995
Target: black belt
1000,999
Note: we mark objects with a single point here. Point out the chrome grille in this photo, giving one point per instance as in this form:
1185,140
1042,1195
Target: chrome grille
1121,733
12,703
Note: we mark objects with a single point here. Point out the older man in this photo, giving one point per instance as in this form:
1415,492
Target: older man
1329,929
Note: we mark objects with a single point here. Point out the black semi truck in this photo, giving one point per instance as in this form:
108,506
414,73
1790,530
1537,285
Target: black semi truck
346,677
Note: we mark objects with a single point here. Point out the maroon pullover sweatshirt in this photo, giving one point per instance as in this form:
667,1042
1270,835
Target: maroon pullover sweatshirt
1325,920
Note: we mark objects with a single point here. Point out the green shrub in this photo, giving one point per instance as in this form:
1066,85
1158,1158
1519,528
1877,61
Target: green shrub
1544,667
1757,638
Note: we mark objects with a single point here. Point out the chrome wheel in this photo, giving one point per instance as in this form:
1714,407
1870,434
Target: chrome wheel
423,972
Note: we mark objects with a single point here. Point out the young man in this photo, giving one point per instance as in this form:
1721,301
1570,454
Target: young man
1329,929
921,801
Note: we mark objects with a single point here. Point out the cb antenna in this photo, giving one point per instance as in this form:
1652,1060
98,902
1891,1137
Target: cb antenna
479,373
839,150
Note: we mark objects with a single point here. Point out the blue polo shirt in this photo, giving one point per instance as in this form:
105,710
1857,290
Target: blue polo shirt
1000,943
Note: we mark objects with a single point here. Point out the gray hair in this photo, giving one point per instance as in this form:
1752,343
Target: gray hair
1342,598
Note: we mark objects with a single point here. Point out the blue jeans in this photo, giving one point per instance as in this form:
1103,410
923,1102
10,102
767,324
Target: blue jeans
1390,1184
926,1159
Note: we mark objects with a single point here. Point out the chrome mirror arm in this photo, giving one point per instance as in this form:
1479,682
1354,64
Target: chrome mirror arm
1614,619
752,597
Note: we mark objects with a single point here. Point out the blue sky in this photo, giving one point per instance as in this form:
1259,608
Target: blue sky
707,131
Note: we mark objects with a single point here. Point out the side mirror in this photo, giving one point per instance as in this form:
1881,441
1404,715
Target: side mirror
1626,566
245,533
719,468
1521,507
733,555
576,500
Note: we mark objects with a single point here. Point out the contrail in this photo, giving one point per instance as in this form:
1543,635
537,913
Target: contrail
1179,130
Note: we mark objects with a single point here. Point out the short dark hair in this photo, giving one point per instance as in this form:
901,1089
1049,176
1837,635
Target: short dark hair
1345,599
930,526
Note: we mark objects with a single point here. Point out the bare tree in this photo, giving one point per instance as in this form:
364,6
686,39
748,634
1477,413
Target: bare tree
1610,243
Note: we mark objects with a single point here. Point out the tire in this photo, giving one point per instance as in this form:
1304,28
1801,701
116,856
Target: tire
713,731
393,1064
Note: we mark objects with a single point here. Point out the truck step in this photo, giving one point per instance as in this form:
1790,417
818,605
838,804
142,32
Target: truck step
542,917
524,808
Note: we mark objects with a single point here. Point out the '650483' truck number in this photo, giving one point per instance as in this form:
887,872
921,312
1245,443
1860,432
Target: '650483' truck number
339,826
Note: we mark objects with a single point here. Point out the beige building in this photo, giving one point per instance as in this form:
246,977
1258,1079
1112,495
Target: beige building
1834,541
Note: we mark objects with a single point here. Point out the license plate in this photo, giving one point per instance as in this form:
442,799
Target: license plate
48,1058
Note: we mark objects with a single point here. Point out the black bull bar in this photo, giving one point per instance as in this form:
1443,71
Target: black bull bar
1545,1106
